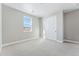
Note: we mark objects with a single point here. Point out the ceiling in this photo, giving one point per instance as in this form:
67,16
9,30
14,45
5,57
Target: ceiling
43,9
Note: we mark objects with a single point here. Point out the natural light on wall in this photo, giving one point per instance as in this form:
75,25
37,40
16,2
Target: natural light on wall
27,21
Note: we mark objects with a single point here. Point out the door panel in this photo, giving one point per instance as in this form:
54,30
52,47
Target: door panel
50,27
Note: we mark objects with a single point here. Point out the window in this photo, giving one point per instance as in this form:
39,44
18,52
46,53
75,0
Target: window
27,24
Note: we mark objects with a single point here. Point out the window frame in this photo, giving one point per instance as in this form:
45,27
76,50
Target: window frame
30,30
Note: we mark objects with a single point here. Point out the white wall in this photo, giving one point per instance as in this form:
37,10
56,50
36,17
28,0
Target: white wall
13,25
71,26
59,26
41,27
0,27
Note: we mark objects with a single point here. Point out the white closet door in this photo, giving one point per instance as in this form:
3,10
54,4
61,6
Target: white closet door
51,28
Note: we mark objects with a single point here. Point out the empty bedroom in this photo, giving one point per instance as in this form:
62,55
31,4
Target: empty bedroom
40,29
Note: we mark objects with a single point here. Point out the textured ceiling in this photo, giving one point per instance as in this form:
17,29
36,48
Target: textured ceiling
44,9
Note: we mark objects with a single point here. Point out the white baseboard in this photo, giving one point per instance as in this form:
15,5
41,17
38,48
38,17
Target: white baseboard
16,42
71,41
57,41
